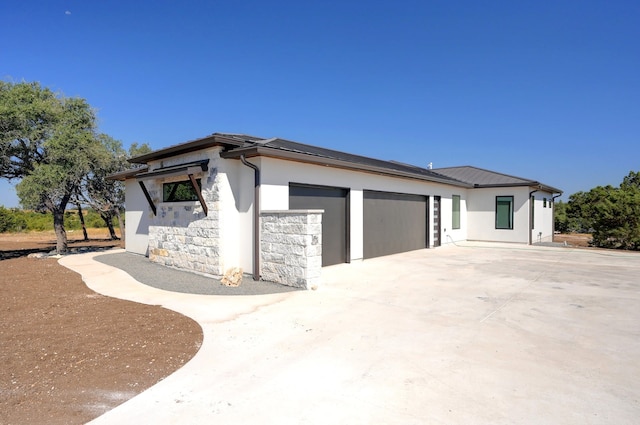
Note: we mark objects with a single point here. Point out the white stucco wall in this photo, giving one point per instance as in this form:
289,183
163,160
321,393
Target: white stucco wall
543,218
481,215
449,234
277,174
236,212
136,214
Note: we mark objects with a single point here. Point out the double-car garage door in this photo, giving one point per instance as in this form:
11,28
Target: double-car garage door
392,222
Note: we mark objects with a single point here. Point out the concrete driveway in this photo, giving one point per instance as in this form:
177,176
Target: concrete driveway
473,334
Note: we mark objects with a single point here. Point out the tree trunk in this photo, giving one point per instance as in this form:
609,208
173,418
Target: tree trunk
108,219
120,224
61,234
84,228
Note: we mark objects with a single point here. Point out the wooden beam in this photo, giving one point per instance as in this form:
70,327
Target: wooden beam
146,194
198,192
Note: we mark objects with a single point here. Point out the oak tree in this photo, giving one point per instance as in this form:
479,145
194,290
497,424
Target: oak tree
47,141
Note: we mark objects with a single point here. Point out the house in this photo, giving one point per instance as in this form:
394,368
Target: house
283,209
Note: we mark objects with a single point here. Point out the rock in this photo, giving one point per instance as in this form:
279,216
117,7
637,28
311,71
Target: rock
232,277
38,255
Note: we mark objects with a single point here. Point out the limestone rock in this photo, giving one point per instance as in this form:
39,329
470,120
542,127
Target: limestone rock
232,277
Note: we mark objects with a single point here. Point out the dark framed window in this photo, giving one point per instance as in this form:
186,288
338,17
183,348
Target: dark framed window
180,191
504,212
544,202
455,211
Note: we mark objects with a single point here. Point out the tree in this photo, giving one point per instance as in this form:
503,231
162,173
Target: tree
103,195
48,141
610,214
564,222
138,149
631,181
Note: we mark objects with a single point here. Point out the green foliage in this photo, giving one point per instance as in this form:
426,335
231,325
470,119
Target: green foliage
180,191
139,149
49,142
92,219
610,214
15,220
28,114
104,195
564,222
11,220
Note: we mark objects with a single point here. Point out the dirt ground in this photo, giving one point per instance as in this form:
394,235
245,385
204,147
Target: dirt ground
574,239
68,354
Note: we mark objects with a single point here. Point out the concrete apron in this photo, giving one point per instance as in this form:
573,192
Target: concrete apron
480,333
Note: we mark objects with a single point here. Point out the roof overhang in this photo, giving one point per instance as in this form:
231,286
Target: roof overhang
192,146
533,185
175,170
126,174
265,151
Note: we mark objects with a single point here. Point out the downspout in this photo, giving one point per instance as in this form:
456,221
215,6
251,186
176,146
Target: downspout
531,215
256,217
553,216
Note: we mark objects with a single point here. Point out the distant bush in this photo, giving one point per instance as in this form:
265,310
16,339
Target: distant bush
16,220
37,221
11,220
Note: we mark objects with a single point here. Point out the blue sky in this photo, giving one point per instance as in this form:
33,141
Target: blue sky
547,90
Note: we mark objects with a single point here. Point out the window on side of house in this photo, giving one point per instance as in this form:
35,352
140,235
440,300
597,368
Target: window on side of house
180,191
544,202
504,212
455,212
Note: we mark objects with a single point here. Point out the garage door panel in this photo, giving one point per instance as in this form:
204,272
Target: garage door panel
393,223
334,220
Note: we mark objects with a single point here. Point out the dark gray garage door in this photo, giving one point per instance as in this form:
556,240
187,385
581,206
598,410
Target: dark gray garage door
393,223
334,202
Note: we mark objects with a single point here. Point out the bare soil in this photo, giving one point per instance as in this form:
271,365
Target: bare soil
574,239
69,354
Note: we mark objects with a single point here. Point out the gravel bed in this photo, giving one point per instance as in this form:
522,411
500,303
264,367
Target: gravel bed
141,269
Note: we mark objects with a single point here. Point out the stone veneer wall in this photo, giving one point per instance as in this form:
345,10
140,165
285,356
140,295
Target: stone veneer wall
180,235
291,247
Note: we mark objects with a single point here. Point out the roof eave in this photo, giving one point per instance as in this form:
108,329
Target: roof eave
536,185
194,145
255,151
126,174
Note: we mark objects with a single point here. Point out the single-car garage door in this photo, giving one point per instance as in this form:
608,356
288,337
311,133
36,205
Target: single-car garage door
393,223
334,202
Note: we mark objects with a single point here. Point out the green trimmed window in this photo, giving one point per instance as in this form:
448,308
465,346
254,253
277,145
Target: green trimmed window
455,212
180,191
504,212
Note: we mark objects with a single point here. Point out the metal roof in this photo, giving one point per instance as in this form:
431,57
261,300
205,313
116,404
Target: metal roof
236,145
479,177
287,149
